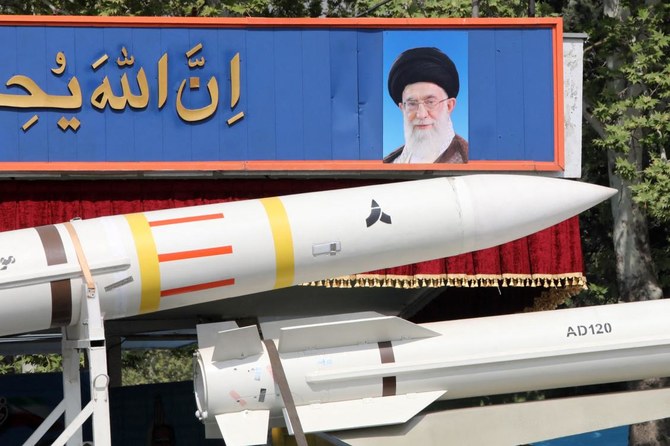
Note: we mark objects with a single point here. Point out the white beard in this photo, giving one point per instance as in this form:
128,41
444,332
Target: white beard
425,146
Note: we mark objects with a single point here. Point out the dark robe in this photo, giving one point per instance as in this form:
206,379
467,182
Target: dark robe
457,152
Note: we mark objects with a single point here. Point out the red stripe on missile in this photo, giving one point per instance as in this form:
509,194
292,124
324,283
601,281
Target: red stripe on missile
199,287
196,253
175,221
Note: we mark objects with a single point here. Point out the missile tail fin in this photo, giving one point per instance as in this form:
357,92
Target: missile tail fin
519,423
246,428
207,332
352,332
237,343
271,326
364,412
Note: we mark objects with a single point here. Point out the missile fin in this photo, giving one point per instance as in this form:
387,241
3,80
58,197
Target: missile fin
245,428
519,423
353,332
271,326
207,332
237,343
365,412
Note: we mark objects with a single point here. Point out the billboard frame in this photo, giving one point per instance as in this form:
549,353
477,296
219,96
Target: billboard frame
556,166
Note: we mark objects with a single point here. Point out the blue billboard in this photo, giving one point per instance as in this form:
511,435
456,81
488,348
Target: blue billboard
230,95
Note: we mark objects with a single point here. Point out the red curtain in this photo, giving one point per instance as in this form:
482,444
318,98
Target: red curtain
551,258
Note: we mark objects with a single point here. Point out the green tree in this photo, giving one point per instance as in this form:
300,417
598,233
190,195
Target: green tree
157,366
626,106
31,364
176,8
138,366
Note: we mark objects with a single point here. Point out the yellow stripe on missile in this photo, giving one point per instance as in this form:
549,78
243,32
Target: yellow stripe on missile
147,256
281,233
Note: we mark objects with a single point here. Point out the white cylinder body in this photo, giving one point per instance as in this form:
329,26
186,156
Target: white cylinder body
191,255
472,357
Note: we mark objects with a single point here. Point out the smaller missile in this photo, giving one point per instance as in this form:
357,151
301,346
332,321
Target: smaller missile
359,373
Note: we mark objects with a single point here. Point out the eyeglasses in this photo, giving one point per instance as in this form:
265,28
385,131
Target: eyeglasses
430,104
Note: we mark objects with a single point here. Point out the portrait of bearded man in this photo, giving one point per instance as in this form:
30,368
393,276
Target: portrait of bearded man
424,83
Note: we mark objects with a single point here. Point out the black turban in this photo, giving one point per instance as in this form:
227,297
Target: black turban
422,65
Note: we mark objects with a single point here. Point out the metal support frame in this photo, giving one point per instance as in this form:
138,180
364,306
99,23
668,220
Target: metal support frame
88,335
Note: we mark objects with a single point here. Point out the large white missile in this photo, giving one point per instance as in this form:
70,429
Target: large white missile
160,260
384,370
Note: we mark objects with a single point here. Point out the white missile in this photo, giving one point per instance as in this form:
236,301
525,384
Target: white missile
159,260
384,370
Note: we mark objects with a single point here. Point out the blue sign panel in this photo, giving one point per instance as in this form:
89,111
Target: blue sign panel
109,94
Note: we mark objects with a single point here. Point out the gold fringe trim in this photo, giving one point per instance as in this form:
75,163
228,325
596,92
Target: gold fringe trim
553,282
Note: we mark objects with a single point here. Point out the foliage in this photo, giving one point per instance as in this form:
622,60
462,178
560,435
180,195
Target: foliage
138,366
176,8
627,90
30,364
432,8
596,234
398,8
653,190
635,112
157,366
277,8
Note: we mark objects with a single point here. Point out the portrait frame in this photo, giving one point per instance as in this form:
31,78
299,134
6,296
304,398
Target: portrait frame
453,43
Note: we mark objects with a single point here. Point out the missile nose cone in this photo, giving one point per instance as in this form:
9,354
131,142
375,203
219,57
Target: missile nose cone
497,201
